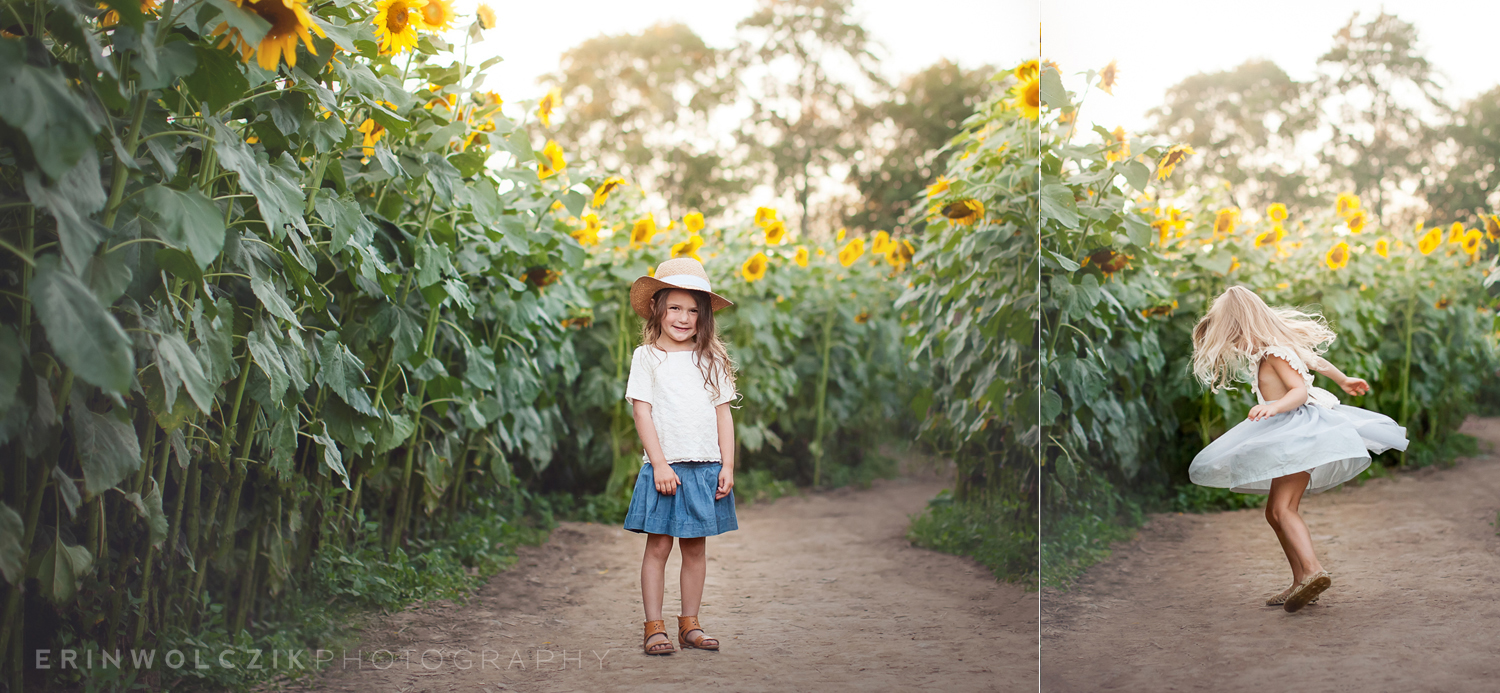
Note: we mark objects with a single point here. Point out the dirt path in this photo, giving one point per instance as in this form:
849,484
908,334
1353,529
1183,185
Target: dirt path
1415,604
811,593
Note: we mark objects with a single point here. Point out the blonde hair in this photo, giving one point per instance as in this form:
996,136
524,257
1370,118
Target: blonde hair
1239,325
708,348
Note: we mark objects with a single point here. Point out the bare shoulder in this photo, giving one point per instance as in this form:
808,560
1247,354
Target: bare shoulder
1280,368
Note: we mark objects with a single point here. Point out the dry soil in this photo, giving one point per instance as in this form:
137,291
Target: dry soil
1415,602
812,593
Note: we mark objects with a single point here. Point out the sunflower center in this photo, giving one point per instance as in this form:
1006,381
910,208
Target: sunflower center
432,13
1034,94
283,19
396,19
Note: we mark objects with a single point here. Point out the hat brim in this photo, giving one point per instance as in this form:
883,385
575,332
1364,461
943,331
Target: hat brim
645,288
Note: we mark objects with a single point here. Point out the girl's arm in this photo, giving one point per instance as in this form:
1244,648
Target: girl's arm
666,479
726,449
1296,391
1353,386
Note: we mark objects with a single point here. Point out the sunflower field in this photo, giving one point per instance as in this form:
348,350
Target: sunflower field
974,299
1130,265
285,296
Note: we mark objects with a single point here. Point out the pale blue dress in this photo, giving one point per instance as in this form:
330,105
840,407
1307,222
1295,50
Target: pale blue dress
1333,441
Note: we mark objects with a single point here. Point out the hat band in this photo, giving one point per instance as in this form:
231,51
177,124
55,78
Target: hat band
687,281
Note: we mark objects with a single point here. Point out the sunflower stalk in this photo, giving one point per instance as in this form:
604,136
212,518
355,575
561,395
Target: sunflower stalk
820,430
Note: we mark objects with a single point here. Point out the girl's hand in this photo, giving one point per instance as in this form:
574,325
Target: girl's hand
1355,386
1262,411
726,483
667,480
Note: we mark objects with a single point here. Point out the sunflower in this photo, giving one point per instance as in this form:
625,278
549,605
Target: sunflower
1108,76
881,243
1225,221
863,317
644,229
112,17
489,99
1356,221
1456,233
1026,70
1271,238
486,16
964,212
852,251
775,232
689,247
693,221
1028,97
1382,248
289,20
1346,204
1492,226
1473,239
839,237
1430,241
937,188
438,15
397,23
373,131
1443,303
1337,256
589,234
899,253
1276,213
764,216
541,276
1119,148
1163,231
800,257
1169,161
754,269
1159,310
548,103
552,160
1108,261
601,193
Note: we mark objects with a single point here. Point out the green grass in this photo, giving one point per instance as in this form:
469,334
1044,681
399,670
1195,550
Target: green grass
1192,498
1001,536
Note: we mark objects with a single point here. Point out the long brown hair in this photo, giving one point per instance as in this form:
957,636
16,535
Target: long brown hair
708,349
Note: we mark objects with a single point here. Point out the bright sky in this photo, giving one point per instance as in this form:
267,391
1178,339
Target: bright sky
532,36
1160,42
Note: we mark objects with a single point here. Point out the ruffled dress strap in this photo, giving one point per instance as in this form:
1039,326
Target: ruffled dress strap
1315,395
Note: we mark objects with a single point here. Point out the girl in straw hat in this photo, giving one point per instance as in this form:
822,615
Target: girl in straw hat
681,383
1298,438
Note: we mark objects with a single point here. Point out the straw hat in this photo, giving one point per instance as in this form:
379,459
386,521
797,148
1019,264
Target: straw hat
677,273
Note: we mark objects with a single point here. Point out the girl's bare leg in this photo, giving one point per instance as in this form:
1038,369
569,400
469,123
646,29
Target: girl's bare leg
654,578
1298,570
694,571
1281,513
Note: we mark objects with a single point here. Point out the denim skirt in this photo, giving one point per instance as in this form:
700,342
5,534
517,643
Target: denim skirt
690,512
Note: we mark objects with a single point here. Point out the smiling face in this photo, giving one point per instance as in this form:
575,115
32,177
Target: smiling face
679,317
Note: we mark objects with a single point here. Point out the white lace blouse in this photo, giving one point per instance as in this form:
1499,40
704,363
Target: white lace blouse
1315,395
682,405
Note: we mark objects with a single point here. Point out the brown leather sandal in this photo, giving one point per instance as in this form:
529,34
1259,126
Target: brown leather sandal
688,624
657,627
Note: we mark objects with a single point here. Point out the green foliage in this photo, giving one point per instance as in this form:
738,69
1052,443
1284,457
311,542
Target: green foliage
330,293
924,112
973,301
797,409
1128,270
1192,498
1001,535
